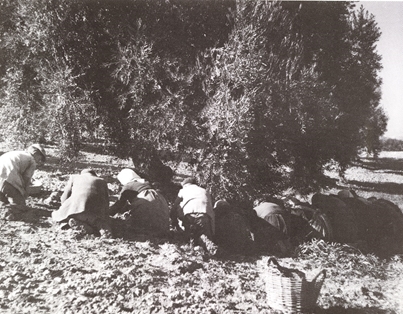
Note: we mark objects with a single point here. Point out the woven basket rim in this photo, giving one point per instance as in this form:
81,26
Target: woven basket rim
292,293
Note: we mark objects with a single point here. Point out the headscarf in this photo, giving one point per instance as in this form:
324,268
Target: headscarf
127,175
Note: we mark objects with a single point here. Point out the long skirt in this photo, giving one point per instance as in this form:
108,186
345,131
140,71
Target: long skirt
233,233
342,218
150,213
321,223
280,222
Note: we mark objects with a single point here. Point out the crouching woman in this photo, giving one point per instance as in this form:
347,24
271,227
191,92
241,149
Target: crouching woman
146,209
85,203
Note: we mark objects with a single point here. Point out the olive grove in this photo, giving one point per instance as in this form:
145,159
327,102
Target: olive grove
258,96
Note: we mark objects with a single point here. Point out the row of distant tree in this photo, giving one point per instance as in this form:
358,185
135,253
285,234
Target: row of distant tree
391,144
259,95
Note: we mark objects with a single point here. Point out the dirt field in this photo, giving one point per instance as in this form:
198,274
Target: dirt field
47,270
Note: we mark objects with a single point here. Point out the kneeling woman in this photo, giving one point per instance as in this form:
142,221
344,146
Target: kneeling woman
147,209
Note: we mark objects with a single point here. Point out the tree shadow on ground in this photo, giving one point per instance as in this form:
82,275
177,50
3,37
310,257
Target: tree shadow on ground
382,165
37,217
121,230
385,187
387,165
341,310
54,164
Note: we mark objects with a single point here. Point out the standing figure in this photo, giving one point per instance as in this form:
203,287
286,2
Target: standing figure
147,209
84,204
194,208
16,171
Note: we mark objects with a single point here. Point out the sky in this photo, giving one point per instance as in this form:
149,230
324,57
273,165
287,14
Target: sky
389,17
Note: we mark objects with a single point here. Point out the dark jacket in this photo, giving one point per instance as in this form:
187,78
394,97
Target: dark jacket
83,193
341,217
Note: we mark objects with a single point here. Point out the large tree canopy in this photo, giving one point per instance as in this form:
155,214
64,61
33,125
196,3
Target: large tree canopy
259,95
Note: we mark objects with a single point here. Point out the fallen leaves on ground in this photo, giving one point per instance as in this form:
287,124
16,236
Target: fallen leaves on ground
47,270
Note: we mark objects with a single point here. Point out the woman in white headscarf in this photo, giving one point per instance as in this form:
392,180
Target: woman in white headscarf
147,208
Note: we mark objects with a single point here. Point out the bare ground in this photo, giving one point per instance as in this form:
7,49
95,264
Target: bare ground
47,270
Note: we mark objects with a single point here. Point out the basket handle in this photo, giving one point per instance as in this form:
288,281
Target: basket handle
284,270
316,280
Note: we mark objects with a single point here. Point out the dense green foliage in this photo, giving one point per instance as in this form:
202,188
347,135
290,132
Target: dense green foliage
259,96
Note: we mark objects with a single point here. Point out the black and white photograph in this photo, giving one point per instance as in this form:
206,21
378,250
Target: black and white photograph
201,157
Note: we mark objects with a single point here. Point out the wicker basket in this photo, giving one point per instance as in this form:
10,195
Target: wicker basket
289,291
